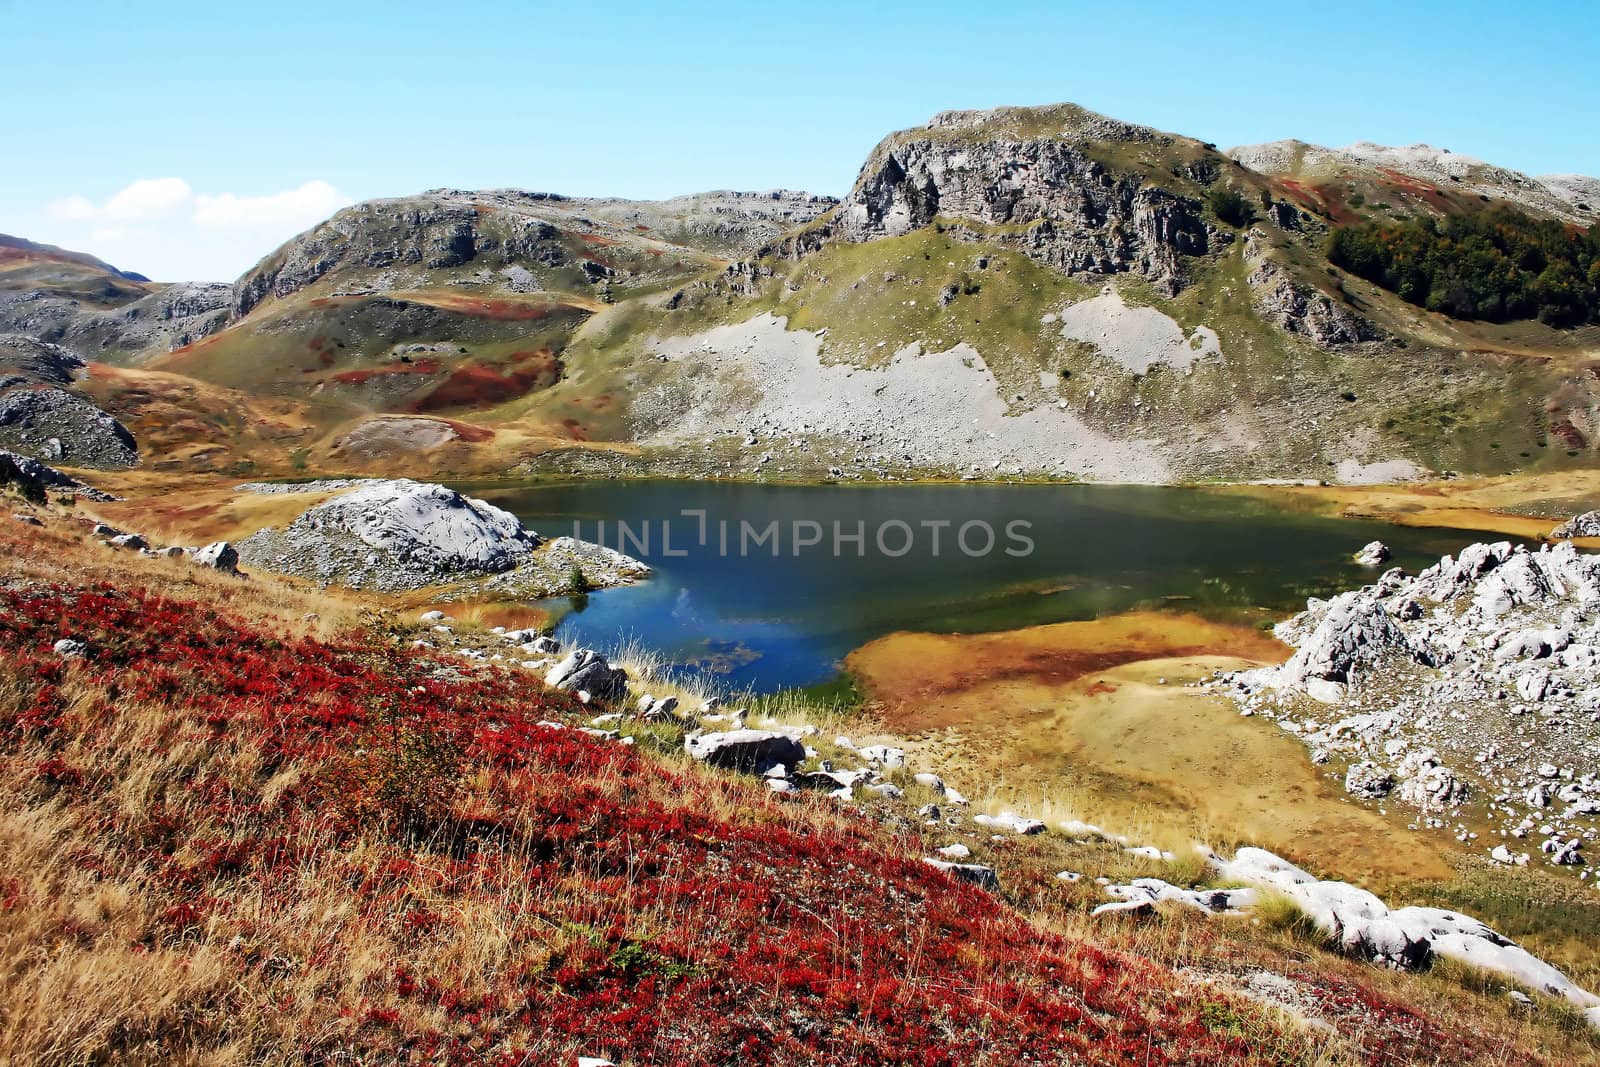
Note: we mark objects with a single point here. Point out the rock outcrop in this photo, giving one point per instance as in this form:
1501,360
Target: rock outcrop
1372,554
127,323
53,424
1361,924
1407,938
1352,632
752,751
400,534
39,417
36,479
25,361
1299,308
1045,172
586,671
1585,525
1469,693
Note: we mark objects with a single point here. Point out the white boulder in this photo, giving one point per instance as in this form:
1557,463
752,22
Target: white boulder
1372,554
219,556
587,671
752,751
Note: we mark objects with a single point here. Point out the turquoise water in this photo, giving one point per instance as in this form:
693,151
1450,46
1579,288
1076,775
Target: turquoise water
766,622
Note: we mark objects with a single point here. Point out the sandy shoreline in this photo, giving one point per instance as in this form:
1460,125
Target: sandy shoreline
1095,720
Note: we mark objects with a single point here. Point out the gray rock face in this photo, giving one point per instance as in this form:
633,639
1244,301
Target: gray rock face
31,476
50,423
40,418
1354,633
1585,525
24,360
746,750
168,317
1300,309
392,535
587,671
1477,681
1085,216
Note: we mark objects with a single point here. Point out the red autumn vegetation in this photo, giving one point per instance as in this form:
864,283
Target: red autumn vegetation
223,840
313,850
480,384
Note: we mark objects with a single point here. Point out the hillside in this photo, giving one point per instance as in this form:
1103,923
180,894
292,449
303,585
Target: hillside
1109,301
1413,179
1137,296
249,832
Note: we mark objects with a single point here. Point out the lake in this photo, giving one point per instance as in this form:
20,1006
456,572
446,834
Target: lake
769,587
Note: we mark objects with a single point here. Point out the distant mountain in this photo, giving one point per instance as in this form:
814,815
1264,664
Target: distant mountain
1016,291
16,251
53,295
1417,178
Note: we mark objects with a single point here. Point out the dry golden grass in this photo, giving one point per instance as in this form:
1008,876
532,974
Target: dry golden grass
64,552
1503,505
89,972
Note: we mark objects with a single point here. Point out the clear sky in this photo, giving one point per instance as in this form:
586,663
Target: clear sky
186,140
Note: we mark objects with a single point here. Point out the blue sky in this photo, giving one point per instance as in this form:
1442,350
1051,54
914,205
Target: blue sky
186,140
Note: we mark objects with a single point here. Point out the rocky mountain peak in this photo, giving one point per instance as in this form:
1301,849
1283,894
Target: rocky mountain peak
538,239
1065,122
1075,190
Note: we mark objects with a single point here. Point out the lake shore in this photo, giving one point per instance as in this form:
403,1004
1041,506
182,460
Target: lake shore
1519,505
1096,720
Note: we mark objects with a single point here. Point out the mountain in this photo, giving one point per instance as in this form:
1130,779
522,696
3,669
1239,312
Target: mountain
58,296
1020,291
18,252
1415,178
1127,303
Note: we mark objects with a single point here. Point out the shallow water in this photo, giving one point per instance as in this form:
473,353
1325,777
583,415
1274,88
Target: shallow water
731,607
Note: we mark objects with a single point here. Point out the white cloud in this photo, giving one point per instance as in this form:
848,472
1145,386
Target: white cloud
150,198
312,202
147,198
162,228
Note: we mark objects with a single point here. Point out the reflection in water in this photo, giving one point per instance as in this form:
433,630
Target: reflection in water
786,613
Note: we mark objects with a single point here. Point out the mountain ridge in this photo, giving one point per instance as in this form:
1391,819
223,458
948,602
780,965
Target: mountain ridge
1061,250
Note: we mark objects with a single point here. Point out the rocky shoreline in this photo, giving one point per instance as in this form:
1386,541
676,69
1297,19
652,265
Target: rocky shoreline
1468,693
